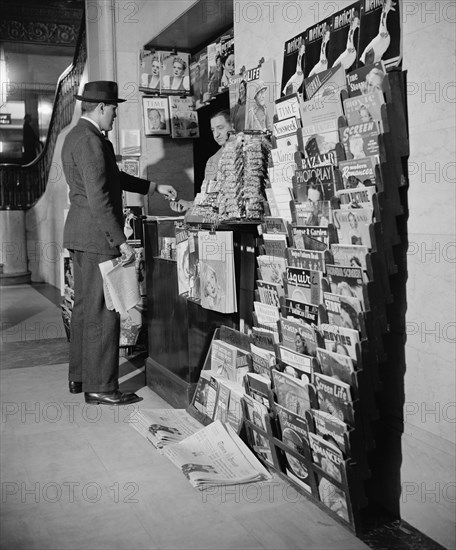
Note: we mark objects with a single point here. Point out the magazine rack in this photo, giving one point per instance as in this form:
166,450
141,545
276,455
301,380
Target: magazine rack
373,351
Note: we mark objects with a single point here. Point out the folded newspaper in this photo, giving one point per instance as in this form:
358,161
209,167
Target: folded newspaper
164,426
216,455
120,285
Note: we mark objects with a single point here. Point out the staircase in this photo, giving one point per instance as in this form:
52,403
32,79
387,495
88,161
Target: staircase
22,185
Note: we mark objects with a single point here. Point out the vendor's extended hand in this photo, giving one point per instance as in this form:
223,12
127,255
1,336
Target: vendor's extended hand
167,191
180,206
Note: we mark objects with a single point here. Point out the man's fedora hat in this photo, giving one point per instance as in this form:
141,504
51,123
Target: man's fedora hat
100,91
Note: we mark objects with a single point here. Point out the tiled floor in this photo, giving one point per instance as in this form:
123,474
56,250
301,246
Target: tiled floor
77,476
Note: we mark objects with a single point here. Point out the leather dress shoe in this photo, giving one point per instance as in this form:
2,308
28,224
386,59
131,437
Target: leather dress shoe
75,387
111,398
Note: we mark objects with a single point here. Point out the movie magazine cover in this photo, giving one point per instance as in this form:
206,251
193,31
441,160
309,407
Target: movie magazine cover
366,79
334,397
303,285
183,116
298,336
365,108
380,36
347,281
350,254
260,97
296,364
332,429
256,413
301,311
360,141
343,46
292,393
339,339
353,225
150,71
316,43
342,310
199,78
309,213
175,73
294,433
356,198
358,172
336,365
315,184
293,65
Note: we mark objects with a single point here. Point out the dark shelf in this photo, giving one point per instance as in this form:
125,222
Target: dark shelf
202,22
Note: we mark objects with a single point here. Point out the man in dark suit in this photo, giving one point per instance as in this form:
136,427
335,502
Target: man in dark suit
94,233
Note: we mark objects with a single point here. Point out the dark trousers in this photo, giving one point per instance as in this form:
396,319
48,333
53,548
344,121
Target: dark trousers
95,330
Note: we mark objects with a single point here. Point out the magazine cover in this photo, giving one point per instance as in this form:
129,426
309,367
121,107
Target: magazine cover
358,172
274,225
333,497
194,290
258,387
182,261
356,198
205,395
314,232
228,361
267,315
347,281
293,65
327,85
343,47
214,67
342,310
298,336
320,144
285,133
366,79
303,285
275,244
150,71
294,433
332,429
334,397
328,457
380,36
317,40
156,116
292,393
184,118
352,225
314,260
360,140
302,311
256,413
365,108
175,73
271,268
199,78
263,361
227,56
311,213
336,365
296,364
238,102
260,97
339,339
350,254
217,279
321,114
270,293
287,107
315,184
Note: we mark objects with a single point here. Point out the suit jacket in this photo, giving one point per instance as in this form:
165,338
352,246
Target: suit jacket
95,220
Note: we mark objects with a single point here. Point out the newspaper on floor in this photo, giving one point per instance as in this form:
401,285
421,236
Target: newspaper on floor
120,285
164,426
215,455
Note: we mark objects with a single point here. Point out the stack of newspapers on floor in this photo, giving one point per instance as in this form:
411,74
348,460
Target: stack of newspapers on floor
207,456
